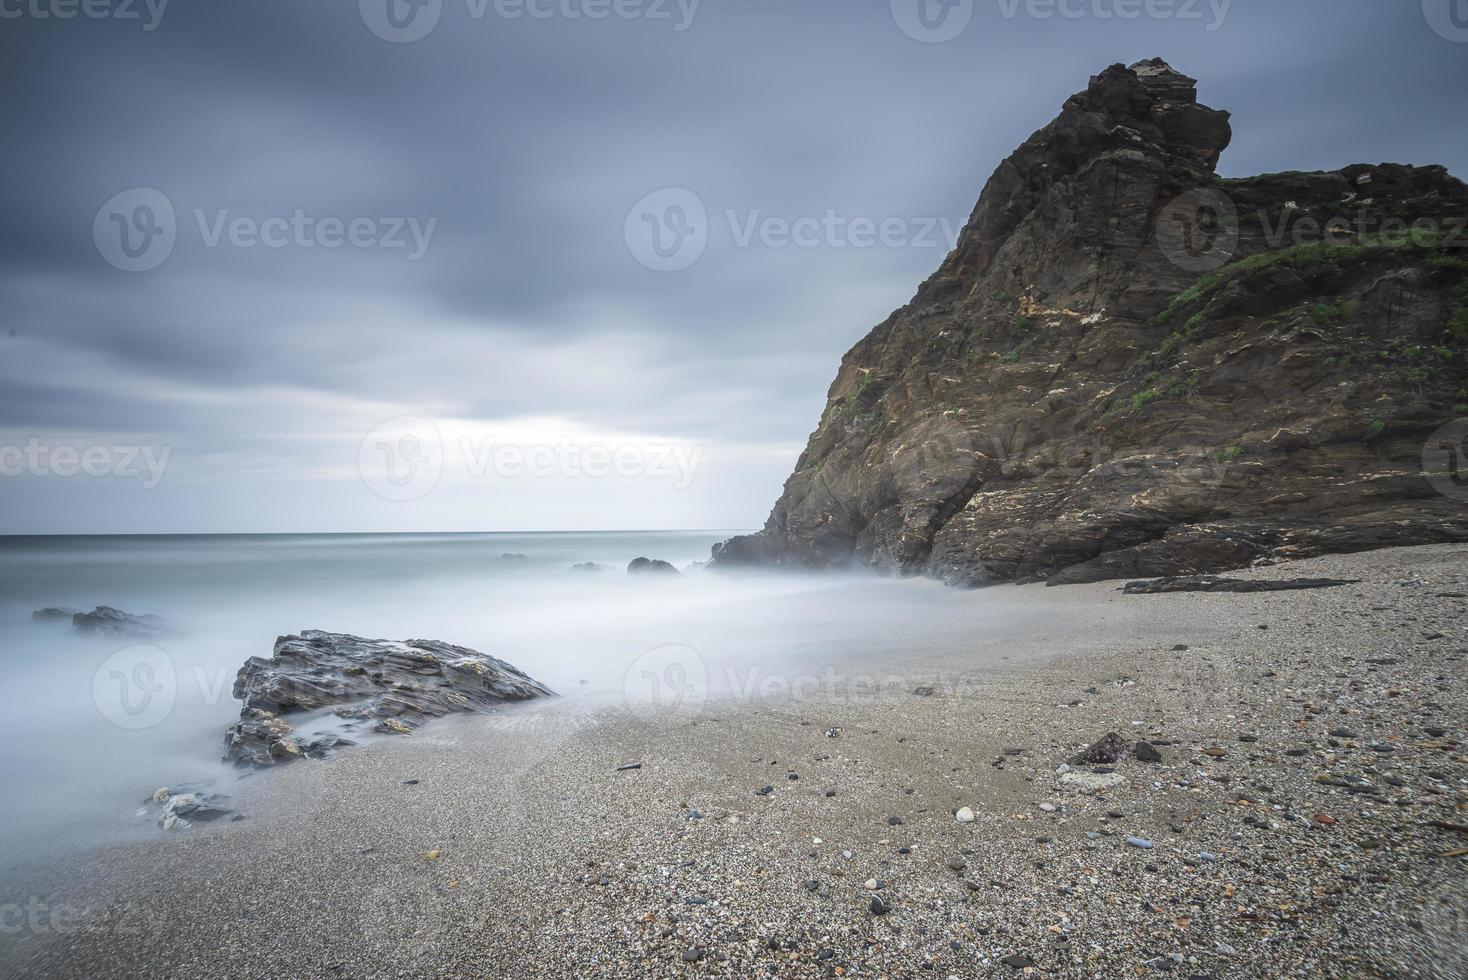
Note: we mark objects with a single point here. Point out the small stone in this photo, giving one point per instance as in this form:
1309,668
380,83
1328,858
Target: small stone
894,821
924,691
1146,752
1018,960
692,954
1106,750
964,815
1047,807
1342,733
957,863
410,782
1207,858
629,766
871,884
764,791
830,793
812,885
433,855
1141,842
879,905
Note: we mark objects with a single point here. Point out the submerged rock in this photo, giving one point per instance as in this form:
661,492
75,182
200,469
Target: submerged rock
182,807
392,685
107,621
1212,583
650,566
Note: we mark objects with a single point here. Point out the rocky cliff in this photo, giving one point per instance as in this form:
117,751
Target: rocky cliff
1130,366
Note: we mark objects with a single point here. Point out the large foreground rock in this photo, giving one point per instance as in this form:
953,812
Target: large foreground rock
387,686
1130,367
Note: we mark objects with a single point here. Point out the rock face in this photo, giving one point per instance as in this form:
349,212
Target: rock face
389,686
114,622
1131,367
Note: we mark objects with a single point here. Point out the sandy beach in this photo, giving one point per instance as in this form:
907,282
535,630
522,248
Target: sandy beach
1305,819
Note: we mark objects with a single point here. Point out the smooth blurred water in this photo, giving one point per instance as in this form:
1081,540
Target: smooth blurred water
77,763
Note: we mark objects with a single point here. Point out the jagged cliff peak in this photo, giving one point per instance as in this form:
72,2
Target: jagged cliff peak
1129,365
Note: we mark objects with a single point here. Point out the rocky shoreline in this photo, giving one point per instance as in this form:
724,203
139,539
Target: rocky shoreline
1298,810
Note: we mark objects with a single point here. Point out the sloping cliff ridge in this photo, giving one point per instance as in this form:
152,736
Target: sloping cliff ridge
1130,366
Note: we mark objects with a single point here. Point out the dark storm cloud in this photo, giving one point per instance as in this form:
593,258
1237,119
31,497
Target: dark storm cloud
521,144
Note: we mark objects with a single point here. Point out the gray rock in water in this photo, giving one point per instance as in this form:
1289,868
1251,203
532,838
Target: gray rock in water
106,621
395,685
51,613
650,566
1211,583
183,806
590,566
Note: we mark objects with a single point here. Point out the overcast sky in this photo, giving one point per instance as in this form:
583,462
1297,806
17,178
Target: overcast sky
287,265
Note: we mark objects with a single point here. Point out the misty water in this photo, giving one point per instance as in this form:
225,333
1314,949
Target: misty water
85,743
